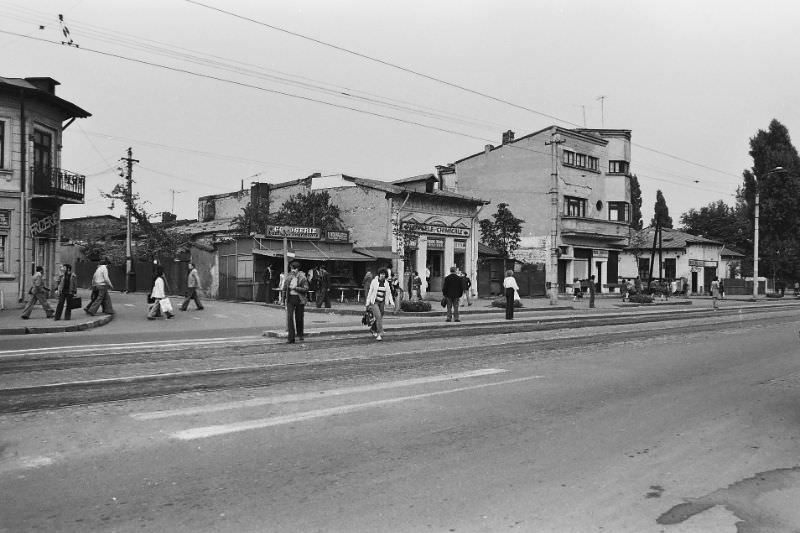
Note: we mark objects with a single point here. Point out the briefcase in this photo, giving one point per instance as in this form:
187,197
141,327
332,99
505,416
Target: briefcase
74,302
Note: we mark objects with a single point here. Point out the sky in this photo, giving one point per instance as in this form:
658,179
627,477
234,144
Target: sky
214,95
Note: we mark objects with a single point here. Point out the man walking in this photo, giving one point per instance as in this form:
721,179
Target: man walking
67,287
101,283
452,290
295,288
38,293
323,286
592,290
192,286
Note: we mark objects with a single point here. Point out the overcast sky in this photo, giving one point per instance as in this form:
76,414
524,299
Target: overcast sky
692,80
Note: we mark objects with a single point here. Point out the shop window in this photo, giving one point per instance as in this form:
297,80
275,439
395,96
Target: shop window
2,144
574,207
3,253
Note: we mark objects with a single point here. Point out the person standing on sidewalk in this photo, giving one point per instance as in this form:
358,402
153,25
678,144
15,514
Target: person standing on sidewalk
416,286
193,285
323,287
269,276
101,283
379,295
511,289
714,291
592,290
295,288
452,290
67,287
38,293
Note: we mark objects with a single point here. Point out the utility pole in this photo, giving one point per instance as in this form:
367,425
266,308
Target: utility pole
552,268
602,111
174,192
130,275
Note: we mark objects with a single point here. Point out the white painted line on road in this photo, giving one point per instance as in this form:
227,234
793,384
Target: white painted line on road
272,400
222,429
130,345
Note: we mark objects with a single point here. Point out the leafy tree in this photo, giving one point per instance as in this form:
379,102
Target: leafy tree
636,203
502,232
311,209
407,235
779,195
661,212
721,222
251,220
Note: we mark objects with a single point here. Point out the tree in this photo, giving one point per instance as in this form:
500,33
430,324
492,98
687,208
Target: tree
720,222
661,212
503,232
636,203
310,209
251,220
407,235
779,195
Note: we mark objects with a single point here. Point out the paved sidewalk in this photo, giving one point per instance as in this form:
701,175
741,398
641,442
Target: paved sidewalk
130,311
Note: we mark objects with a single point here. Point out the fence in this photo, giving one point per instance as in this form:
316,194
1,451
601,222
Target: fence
175,273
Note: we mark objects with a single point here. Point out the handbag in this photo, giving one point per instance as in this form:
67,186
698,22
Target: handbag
150,299
444,302
166,306
74,302
516,296
368,319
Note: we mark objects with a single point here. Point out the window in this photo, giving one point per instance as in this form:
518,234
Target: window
618,211
573,159
580,160
2,145
42,150
593,163
617,167
574,207
2,253
568,157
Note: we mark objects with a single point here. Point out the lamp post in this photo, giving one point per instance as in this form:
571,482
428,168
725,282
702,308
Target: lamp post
552,268
755,232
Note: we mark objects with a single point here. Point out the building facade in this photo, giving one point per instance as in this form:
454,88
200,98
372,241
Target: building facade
33,186
572,189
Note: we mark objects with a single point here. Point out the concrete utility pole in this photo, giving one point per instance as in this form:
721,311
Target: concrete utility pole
552,268
130,275
602,111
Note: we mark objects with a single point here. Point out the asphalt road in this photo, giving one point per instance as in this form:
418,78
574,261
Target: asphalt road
690,426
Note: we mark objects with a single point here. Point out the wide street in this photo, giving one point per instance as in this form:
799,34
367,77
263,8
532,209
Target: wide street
689,424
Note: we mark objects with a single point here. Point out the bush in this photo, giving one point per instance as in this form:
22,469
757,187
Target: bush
774,295
501,302
415,306
641,299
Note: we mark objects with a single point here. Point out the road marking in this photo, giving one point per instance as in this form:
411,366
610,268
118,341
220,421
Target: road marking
130,345
222,429
272,400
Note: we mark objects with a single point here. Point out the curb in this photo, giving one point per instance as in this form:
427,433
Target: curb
32,330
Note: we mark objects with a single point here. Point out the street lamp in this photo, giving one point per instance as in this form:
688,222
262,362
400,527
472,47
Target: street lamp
755,234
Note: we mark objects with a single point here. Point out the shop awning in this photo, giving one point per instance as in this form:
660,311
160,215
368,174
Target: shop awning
311,251
377,252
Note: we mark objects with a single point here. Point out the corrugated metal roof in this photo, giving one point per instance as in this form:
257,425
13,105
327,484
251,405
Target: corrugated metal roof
672,239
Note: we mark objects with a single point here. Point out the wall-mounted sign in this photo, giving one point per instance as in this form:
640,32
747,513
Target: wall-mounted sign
44,224
450,231
5,220
337,236
702,263
459,245
435,244
600,254
292,232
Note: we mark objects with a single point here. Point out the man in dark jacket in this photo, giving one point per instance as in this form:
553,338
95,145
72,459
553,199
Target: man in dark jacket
452,290
323,286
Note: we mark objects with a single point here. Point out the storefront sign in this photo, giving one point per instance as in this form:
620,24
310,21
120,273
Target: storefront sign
600,254
292,232
459,245
44,224
5,220
450,231
435,244
337,236
702,263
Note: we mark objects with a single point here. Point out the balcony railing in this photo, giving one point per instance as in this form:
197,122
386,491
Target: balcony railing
58,183
602,229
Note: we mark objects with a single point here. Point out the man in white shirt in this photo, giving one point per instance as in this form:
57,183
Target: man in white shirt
101,283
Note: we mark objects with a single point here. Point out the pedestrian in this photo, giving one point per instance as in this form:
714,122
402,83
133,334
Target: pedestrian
427,278
452,289
269,279
38,293
366,283
511,290
323,287
162,304
797,288
592,290
397,291
721,290
379,295
576,290
416,286
66,289
101,283
281,285
192,286
295,294
714,291
467,282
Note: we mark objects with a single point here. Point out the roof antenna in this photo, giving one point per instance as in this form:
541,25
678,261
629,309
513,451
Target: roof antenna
602,110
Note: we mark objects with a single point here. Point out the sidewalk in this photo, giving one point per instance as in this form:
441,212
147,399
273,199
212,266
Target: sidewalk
130,311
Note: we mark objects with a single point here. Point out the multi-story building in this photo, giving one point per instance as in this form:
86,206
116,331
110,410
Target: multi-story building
33,186
585,172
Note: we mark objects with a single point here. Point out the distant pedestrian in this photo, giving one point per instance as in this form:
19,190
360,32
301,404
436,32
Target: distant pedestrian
378,296
281,285
270,277
511,292
102,284
66,289
452,290
192,286
714,291
366,283
162,303
295,295
397,291
576,290
38,293
467,283
592,290
323,287
721,290
416,286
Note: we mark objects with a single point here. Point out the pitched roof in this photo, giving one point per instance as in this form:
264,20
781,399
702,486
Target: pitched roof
415,179
391,188
17,84
672,239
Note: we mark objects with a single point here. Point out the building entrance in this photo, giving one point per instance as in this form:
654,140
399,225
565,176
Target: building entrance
436,266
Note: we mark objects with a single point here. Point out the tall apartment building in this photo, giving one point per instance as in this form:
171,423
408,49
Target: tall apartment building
586,172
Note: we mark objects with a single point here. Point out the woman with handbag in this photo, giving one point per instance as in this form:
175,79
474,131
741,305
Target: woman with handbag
162,303
511,288
379,295
67,287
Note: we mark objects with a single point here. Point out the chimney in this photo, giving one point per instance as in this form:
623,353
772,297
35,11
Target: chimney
168,217
47,85
508,136
488,148
315,175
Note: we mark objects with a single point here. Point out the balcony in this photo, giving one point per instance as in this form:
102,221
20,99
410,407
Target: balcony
66,187
605,230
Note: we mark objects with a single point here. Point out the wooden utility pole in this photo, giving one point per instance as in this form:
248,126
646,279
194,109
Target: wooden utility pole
130,275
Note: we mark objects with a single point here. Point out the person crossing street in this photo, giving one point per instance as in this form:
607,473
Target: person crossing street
193,285
38,293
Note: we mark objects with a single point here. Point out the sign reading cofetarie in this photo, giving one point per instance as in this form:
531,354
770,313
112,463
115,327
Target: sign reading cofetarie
292,232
